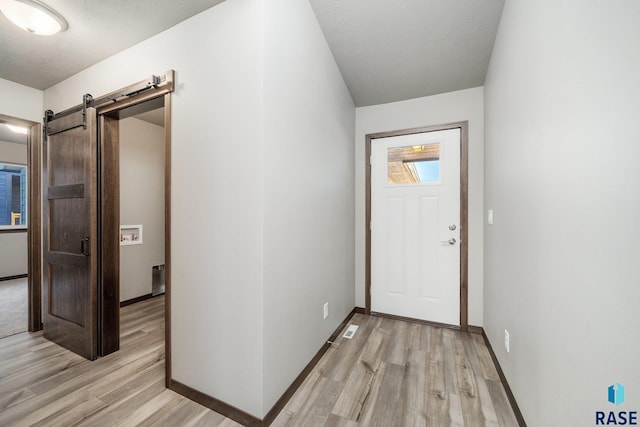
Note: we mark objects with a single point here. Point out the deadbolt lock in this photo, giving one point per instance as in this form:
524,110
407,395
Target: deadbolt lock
452,227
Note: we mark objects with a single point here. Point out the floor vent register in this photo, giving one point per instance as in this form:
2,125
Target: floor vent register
350,332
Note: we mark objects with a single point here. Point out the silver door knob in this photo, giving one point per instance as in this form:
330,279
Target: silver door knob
452,241
452,227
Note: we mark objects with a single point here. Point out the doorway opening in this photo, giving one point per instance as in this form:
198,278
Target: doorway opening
142,224
19,225
379,139
135,148
89,138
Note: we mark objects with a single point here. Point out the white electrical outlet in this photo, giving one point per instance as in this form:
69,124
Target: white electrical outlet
326,310
506,340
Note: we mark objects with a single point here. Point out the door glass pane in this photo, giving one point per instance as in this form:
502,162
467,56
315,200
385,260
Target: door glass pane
416,164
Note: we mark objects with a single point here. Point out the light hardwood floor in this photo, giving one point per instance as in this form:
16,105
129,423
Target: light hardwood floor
392,373
42,384
396,373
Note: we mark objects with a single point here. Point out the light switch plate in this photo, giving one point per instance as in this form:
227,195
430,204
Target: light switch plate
490,217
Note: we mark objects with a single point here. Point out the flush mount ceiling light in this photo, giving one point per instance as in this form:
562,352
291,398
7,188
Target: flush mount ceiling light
33,16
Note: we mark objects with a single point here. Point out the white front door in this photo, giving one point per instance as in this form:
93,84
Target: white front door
415,226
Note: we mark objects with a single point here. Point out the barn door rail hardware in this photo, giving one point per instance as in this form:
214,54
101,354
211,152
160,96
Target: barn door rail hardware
156,83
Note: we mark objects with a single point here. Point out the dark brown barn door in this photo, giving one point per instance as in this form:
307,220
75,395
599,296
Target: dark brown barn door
70,232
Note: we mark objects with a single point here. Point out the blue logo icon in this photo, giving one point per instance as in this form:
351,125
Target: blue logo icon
616,394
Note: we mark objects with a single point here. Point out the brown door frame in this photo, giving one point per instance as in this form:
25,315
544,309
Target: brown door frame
109,154
34,220
464,210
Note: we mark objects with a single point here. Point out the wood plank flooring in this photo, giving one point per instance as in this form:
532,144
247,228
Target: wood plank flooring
42,384
396,373
392,373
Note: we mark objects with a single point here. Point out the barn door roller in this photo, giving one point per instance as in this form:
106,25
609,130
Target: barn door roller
162,80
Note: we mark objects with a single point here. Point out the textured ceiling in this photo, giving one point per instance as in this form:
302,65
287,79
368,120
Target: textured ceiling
391,50
387,50
97,30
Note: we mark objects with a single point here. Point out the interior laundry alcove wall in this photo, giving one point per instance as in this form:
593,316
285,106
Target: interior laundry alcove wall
142,169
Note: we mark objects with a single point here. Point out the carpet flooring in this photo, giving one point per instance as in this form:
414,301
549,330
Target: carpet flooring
13,307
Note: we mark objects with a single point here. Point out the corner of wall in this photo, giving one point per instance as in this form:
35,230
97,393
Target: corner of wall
308,207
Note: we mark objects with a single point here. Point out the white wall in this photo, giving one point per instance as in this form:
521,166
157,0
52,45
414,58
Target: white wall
216,190
13,152
13,246
141,202
262,196
13,254
308,193
21,102
464,105
561,173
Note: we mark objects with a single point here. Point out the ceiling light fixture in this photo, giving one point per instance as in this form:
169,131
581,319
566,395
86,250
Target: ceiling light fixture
33,16
17,129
